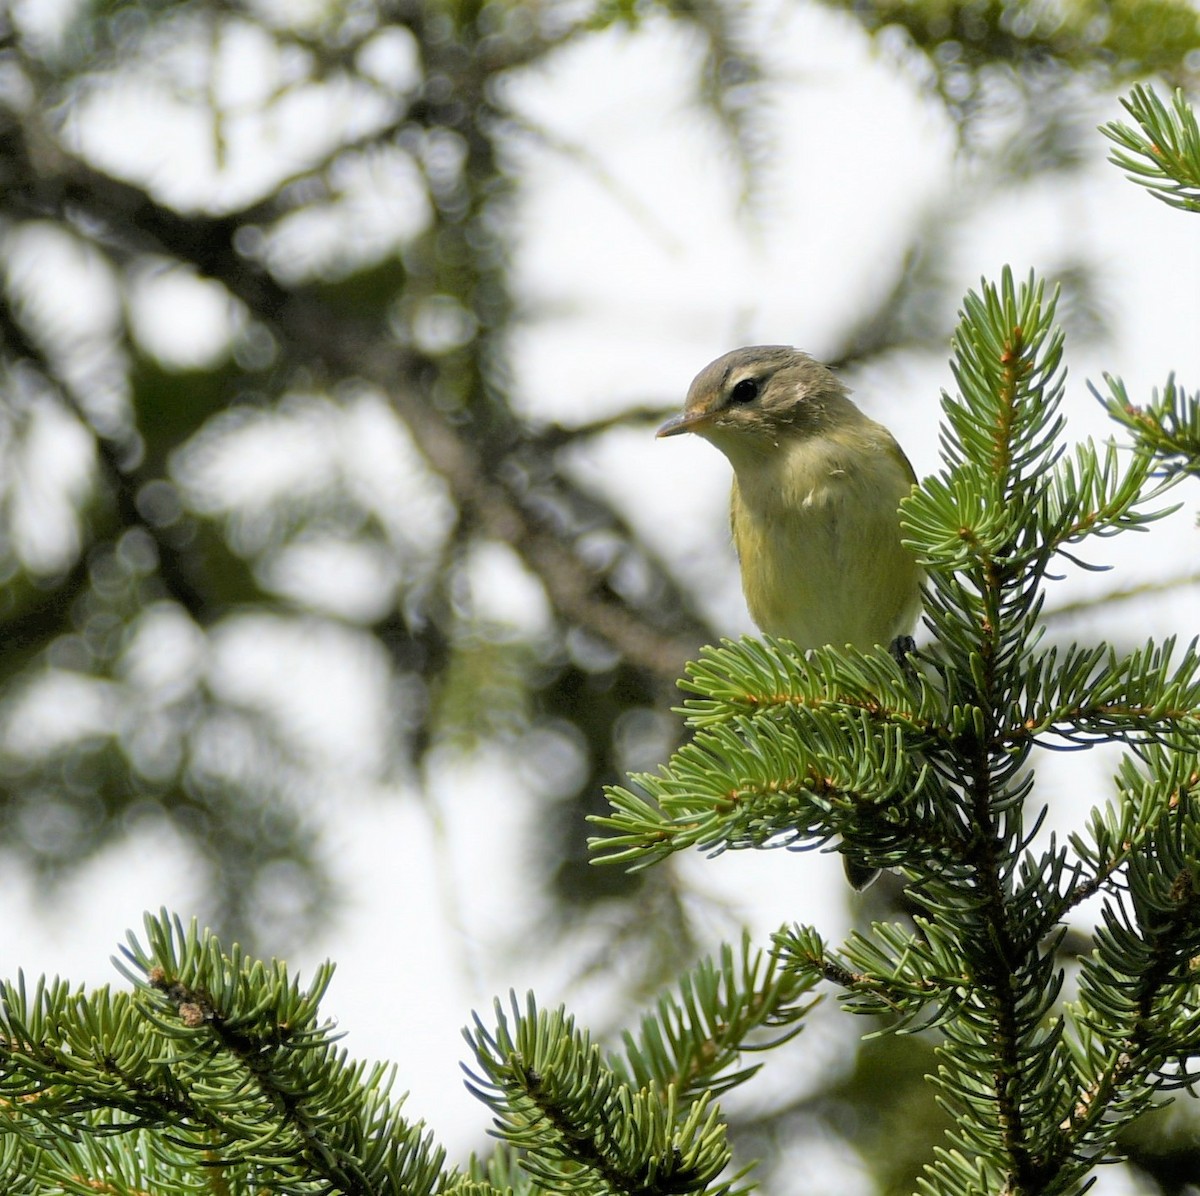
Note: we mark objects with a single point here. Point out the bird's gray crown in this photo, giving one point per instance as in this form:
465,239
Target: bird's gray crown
753,360
786,379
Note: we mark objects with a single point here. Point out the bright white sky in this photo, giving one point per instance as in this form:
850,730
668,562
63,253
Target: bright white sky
630,299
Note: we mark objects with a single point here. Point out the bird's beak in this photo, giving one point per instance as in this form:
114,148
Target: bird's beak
685,421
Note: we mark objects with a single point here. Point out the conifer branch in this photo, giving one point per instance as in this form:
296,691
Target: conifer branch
692,1042
1167,428
1163,153
928,772
582,1128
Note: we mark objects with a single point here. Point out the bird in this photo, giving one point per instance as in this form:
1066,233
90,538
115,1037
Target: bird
815,501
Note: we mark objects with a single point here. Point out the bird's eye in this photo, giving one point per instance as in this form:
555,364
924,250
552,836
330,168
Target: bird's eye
746,391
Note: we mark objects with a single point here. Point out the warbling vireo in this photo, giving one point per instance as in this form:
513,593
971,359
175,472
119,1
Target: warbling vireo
815,508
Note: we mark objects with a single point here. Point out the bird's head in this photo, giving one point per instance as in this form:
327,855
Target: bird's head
752,399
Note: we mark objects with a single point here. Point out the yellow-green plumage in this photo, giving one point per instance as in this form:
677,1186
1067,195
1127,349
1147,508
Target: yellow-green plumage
816,495
818,537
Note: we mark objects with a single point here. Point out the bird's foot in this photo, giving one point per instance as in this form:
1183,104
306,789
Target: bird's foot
901,649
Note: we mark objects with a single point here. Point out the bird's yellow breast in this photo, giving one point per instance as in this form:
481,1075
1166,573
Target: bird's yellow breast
816,525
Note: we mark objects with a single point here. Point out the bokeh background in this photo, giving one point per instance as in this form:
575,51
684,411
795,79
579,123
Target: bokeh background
339,568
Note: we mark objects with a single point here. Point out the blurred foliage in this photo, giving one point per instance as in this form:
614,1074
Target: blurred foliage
977,51
176,525
159,514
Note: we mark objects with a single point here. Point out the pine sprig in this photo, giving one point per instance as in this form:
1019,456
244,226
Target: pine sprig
1008,359
1135,1028
1166,429
893,972
1084,695
222,1059
980,525
761,783
755,676
1163,153
580,1127
1093,496
694,1040
1163,776
1150,937
581,1119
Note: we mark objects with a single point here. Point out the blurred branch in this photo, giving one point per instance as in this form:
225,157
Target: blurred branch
575,591
36,624
556,436
1120,594
123,481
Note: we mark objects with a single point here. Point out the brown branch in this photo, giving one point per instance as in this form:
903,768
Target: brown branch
576,592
